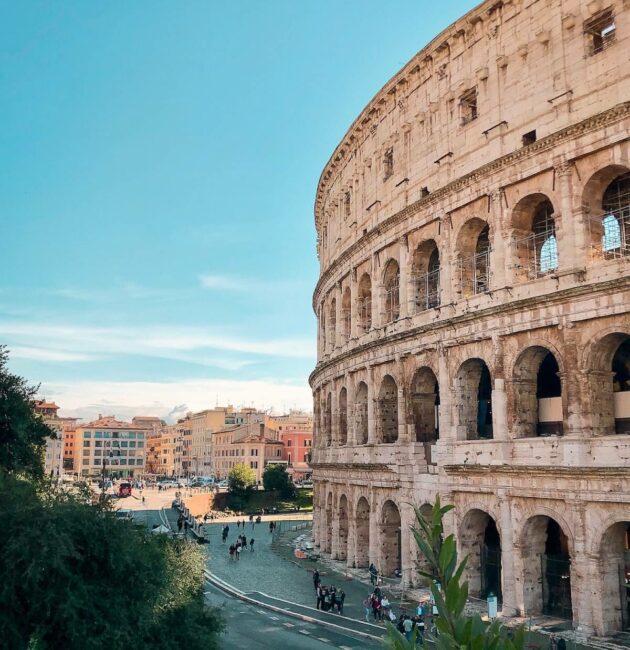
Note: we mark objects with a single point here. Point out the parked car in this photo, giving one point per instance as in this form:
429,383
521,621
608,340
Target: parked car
127,515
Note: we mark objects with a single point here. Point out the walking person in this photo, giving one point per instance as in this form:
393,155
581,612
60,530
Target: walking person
231,551
238,551
367,604
315,579
341,598
251,545
373,574
271,527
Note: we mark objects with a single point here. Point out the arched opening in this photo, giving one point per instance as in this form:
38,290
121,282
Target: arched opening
609,378
361,413
474,257
390,539
425,276
332,323
615,578
536,242
322,329
537,394
363,533
607,205
425,402
546,568
473,399
391,290
343,527
328,421
388,410
480,540
364,303
346,313
329,523
343,416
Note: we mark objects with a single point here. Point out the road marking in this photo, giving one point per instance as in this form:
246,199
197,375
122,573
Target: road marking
304,632
288,625
344,647
322,638
274,618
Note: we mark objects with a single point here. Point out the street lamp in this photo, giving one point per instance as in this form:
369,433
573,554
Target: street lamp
105,456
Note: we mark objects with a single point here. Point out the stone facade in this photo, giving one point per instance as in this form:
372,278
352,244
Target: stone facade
474,338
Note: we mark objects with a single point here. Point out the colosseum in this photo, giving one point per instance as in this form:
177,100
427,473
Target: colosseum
473,330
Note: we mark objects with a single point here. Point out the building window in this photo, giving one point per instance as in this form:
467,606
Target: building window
468,106
86,443
289,443
388,163
600,31
347,208
87,434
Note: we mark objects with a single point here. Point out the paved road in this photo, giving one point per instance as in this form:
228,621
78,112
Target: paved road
251,628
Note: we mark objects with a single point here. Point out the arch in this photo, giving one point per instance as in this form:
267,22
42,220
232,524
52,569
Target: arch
390,539
328,421
362,537
388,410
473,400
346,313
533,219
391,291
364,302
425,401
361,414
329,523
545,552
614,564
425,276
606,203
332,323
480,540
322,328
343,416
537,393
343,527
473,249
608,364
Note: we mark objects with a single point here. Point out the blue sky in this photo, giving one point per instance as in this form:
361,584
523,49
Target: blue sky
158,169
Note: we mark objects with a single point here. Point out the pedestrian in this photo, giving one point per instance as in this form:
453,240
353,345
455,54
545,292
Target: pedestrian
367,604
333,598
238,551
376,607
231,551
553,642
251,545
373,573
238,523
244,544
315,579
271,526
180,523
407,627
421,627
341,597
384,607
320,597
186,528
562,644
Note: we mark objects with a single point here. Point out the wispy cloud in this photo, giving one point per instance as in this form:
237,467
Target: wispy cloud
190,344
41,354
254,286
169,400
225,283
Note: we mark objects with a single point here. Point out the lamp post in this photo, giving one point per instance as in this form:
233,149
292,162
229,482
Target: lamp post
103,474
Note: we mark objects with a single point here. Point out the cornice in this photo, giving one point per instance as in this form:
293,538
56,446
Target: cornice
530,302
369,467
593,123
577,473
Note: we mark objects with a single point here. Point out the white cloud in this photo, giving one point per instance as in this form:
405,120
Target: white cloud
40,354
191,344
224,283
170,399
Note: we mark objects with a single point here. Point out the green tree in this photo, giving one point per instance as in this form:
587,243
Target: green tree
73,575
455,629
275,477
23,432
241,480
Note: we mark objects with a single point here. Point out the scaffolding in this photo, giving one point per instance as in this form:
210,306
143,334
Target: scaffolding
364,311
474,272
392,300
601,30
538,253
610,229
426,290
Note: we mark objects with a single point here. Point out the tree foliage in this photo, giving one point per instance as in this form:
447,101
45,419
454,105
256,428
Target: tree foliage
455,629
241,480
275,477
23,432
73,575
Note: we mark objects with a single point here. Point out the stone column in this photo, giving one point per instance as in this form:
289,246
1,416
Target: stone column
572,407
501,262
403,427
334,547
571,236
350,418
499,398
352,528
375,542
334,415
354,315
338,316
377,293
506,527
581,575
371,399
407,545
447,429
448,257
403,260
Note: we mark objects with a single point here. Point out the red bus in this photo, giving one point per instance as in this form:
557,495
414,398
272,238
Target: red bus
124,490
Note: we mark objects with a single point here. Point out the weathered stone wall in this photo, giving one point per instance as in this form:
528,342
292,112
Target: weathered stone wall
473,310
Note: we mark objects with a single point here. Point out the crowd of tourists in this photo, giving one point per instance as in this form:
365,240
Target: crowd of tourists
329,598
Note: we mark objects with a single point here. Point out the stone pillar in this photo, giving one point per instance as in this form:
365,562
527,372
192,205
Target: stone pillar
581,575
338,316
572,407
350,409
354,315
371,399
352,528
447,429
499,398
506,528
375,542
334,547
571,235
377,293
407,544
502,259
403,260
334,415
403,427
448,257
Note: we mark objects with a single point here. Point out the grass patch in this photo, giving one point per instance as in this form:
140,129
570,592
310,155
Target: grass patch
270,500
